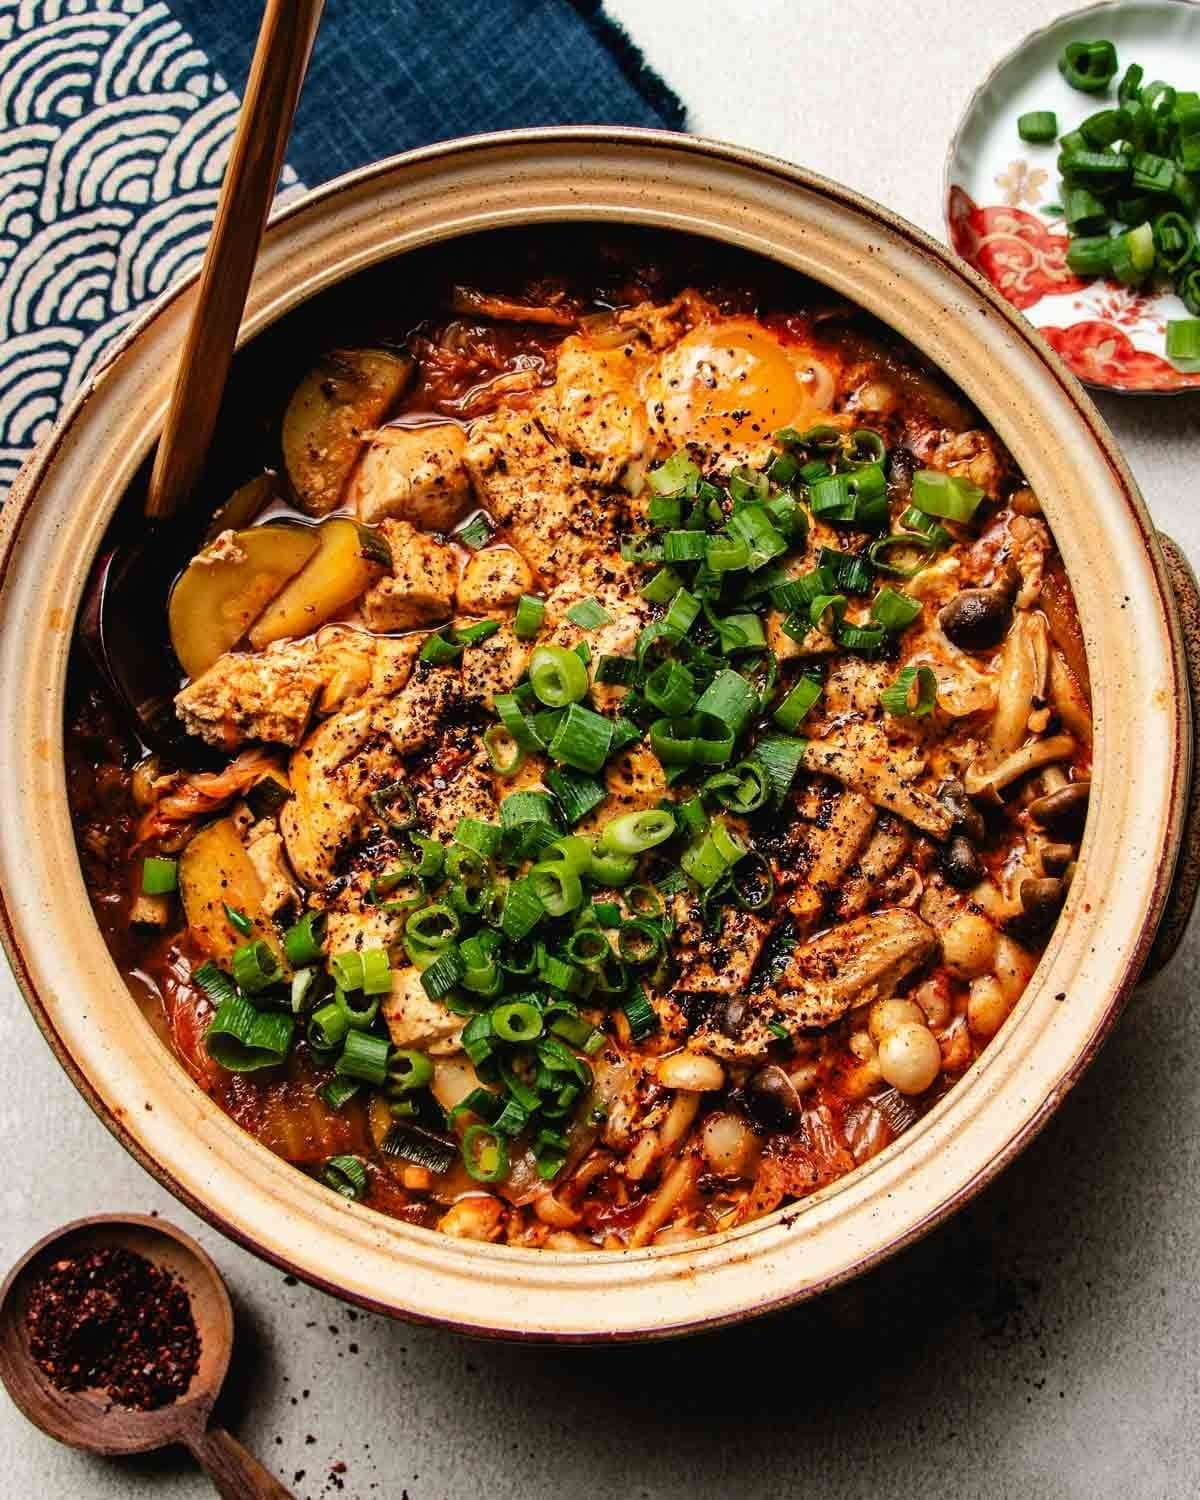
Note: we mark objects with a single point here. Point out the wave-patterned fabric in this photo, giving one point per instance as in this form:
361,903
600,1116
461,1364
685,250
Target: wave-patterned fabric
116,119
114,133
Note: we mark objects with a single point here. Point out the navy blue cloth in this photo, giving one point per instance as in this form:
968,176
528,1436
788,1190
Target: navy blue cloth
387,75
116,118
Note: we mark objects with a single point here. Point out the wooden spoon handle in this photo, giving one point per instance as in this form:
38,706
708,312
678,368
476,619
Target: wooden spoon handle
280,60
236,1474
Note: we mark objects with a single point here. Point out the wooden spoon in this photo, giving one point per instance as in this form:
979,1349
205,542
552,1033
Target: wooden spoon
121,620
88,1419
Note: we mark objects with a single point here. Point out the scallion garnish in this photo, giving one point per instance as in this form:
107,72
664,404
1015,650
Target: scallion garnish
475,533
346,1175
160,876
901,699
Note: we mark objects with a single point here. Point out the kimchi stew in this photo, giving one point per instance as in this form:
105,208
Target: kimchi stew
648,742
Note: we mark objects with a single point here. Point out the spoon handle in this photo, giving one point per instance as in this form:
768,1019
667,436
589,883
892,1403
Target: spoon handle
236,1473
280,61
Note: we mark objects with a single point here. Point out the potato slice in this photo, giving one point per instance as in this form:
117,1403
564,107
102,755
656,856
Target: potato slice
349,392
214,869
227,586
348,561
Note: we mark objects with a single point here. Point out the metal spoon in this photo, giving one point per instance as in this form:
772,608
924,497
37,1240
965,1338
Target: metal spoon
88,1419
122,618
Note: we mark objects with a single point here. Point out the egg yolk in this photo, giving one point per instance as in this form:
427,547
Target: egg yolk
731,385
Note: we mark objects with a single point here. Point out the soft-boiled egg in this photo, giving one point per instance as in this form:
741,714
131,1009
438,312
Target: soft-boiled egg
731,384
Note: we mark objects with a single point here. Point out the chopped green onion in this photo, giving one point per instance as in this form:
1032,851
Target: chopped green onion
475,533
243,1039
588,614
238,920
612,869
517,1021
255,967
726,554
383,799
522,910
851,574
360,1013
589,947
339,1091
505,755
740,632
303,943
691,740
1174,242
512,717
754,526
1090,255
635,832
1084,212
713,855
1183,343
671,689
160,876
557,676
683,546
894,610
677,476
346,1175
327,1026
730,700
682,612
782,756
474,635
1039,127
640,941
577,793
557,887
407,1071
529,616
519,808
744,789
556,973
1133,255
826,612
640,1014
440,650
899,697
303,981
945,495
797,703
583,739
616,671
904,541
753,883
861,637
443,973
480,837
1089,66
364,1056
484,1154
915,520
662,588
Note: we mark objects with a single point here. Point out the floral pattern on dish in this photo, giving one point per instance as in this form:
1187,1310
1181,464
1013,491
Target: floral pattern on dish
1016,251
1102,354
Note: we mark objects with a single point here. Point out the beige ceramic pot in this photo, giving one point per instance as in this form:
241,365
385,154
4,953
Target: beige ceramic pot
53,525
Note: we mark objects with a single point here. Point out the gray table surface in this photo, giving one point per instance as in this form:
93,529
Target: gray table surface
1044,1344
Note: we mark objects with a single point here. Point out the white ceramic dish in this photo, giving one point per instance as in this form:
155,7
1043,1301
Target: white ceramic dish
998,188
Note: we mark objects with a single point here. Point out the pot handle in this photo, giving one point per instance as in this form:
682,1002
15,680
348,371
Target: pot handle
1186,881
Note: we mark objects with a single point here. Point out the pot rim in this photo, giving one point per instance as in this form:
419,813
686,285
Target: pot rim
21,505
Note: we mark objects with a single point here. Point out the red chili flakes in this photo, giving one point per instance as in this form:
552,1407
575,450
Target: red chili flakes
113,1320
